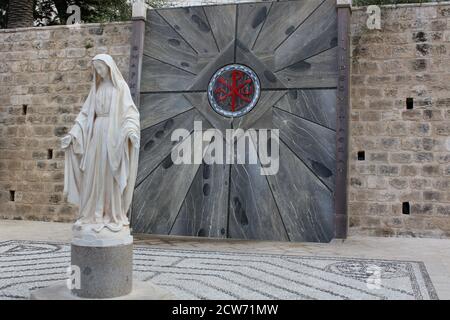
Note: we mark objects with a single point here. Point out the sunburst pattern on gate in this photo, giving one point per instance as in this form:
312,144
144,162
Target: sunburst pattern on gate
292,48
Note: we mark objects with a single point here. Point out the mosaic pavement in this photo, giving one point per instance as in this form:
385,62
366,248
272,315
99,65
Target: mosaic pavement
194,274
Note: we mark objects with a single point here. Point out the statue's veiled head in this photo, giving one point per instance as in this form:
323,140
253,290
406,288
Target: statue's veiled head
102,69
106,69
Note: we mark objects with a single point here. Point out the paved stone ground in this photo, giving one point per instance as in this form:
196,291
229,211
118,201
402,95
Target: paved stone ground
221,275
434,253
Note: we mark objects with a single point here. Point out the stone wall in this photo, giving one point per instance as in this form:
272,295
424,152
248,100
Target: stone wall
407,158
45,77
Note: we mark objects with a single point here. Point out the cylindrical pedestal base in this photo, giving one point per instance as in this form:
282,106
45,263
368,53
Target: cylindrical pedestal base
105,272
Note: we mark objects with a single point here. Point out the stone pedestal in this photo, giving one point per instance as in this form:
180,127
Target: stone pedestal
105,272
102,266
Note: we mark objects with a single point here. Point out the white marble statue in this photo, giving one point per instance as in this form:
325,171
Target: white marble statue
101,157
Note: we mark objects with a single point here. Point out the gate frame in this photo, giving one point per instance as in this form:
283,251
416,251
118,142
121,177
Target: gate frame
344,8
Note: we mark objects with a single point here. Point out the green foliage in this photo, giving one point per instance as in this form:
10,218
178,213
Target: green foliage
51,12
95,10
3,10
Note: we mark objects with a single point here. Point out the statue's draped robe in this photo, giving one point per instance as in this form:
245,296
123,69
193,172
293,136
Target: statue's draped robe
101,162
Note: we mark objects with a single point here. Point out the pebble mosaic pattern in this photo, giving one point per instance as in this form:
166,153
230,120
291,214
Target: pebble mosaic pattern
194,274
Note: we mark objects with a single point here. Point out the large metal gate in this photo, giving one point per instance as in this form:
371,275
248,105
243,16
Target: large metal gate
292,48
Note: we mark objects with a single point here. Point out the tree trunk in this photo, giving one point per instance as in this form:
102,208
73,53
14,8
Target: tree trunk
20,13
61,7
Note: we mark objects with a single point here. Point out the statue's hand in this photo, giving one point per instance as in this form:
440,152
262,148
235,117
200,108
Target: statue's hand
134,139
65,141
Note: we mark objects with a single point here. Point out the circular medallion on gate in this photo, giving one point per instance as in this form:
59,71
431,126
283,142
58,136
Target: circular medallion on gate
234,90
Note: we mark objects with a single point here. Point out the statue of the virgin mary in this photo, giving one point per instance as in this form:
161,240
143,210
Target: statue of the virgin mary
101,154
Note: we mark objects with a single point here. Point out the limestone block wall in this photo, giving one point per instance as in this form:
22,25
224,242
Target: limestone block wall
45,76
400,123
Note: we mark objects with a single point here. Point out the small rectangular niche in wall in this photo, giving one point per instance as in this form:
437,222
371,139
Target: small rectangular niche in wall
12,195
361,155
24,109
406,208
50,154
409,103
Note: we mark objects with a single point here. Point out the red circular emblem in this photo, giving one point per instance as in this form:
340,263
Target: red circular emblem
234,90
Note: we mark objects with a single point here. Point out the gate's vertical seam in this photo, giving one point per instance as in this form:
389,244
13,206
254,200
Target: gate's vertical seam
235,32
